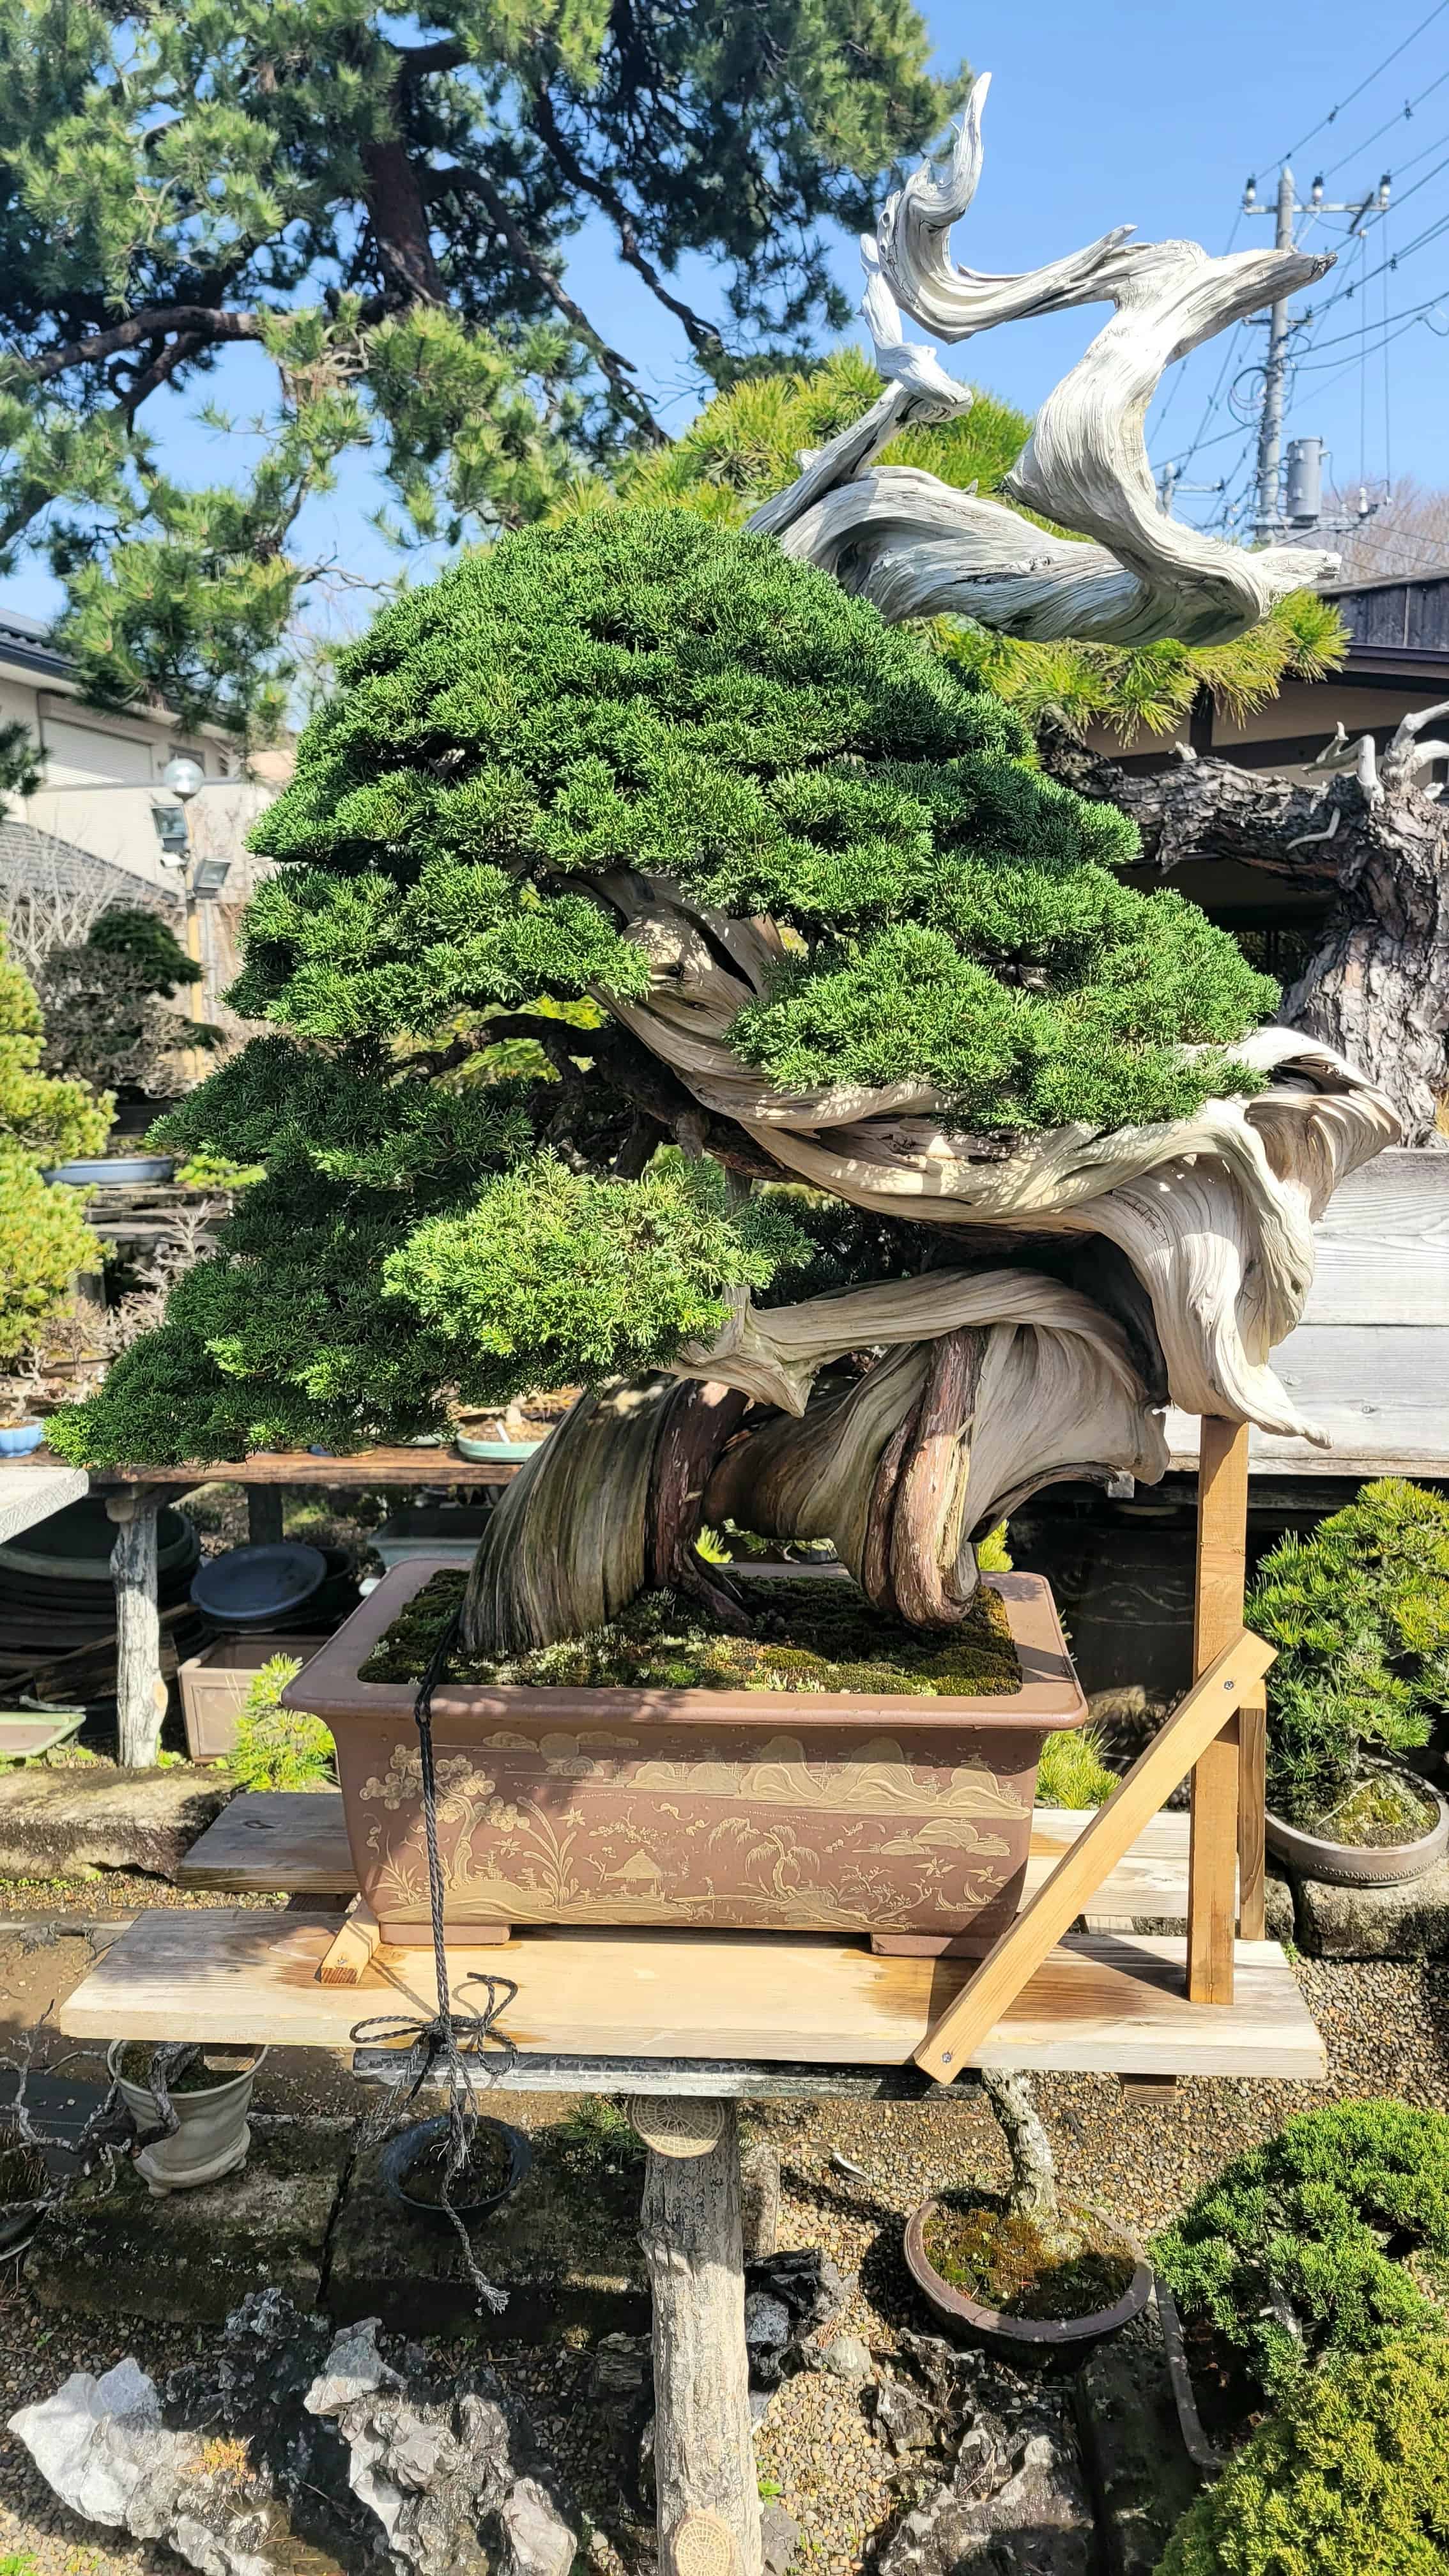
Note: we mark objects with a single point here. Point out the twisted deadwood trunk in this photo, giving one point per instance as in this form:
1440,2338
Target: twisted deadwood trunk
1377,989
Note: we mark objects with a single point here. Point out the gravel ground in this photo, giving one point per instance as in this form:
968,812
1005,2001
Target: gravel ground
1387,2030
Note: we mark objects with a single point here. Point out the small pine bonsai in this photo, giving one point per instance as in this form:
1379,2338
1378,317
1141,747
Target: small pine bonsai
44,1238
1287,2254
104,1006
1359,1613
512,760
1351,2479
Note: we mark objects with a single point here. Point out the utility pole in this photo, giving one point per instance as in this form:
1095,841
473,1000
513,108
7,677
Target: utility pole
1268,521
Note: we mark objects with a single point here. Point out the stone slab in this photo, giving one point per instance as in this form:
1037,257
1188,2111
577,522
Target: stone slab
32,1489
565,2248
1408,1922
59,1824
191,2257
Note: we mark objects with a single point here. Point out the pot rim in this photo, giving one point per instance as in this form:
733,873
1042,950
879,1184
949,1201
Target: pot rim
195,2093
1366,1851
1046,2332
1048,1702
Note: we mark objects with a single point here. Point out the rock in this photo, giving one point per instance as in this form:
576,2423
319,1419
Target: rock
292,2434
806,2281
565,2247
903,2418
1016,2504
1408,1922
539,2541
760,2199
848,2358
780,2537
59,1824
768,2333
1280,1922
621,2400
195,2254
1127,2422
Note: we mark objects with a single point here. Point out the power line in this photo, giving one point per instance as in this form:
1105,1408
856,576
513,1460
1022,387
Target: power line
1366,83
1400,116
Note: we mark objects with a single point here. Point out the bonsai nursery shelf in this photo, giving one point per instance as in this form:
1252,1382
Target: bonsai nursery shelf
1105,2003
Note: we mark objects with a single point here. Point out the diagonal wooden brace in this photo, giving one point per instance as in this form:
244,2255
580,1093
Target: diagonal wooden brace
1212,1703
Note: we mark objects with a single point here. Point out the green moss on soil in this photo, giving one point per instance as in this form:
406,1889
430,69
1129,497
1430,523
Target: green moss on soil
1000,2260
811,1635
1381,1809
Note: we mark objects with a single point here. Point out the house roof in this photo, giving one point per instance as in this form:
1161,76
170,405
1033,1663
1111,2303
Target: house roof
26,641
34,858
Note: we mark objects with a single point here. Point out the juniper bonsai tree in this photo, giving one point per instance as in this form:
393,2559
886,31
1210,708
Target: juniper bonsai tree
629,767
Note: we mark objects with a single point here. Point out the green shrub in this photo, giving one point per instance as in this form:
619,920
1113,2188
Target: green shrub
1359,1613
1072,1773
276,1747
1351,2479
1288,2253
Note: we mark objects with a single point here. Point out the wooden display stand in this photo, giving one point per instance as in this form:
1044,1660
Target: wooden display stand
685,2025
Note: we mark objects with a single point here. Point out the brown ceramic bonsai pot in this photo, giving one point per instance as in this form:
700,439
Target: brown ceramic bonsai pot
905,1818
1363,1864
1059,2342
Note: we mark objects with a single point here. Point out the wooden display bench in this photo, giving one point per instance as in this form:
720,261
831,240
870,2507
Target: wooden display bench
685,2024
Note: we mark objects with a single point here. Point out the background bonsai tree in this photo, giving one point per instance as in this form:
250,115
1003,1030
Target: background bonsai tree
749,870
1359,1612
104,1003
44,1238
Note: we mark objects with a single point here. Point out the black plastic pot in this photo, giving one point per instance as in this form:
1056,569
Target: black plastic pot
402,2155
258,1587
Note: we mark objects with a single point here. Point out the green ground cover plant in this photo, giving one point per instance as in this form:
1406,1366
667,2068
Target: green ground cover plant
1350,2479
276,1747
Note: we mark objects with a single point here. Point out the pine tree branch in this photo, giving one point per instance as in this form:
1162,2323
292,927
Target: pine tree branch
414,62
207,322
617,368
702,335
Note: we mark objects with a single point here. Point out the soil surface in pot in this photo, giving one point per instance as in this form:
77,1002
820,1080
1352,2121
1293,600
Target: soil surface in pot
1002,2261
809,1636
1382,1809
23,2174
485,2171
201,2076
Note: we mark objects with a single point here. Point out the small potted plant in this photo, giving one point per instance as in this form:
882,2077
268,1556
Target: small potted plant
210,2102
1034,2279
1359,1613
21,1428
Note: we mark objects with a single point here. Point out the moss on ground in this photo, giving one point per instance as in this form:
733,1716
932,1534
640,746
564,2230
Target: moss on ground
812,1635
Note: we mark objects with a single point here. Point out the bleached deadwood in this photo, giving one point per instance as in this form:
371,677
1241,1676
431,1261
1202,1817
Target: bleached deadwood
918,547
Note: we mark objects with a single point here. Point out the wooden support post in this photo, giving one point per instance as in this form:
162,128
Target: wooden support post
264,1515
1222,1541
353,1947
140,1690
690,2230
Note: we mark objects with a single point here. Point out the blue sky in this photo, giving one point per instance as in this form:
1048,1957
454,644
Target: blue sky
1149,112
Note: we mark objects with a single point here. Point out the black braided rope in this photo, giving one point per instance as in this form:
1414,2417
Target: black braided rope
471,2050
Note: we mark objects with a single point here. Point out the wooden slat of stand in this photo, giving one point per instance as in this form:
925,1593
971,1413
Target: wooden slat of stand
1110,2003
1222,1527
382,1466
956,2038
296,1839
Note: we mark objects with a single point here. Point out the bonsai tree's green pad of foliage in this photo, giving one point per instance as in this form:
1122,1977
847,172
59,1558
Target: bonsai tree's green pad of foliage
630,691
1351,2479
999,2258
1359,1613
1323,2218
812,1636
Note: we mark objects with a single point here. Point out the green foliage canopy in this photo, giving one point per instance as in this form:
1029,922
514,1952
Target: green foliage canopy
1351,2479
1287,2253
377,212
44,1237
632,690
1359,1613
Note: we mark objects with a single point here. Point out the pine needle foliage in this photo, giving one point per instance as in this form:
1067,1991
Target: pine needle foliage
1359,1613
747,444
1351,2479
1304,2246
631,690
